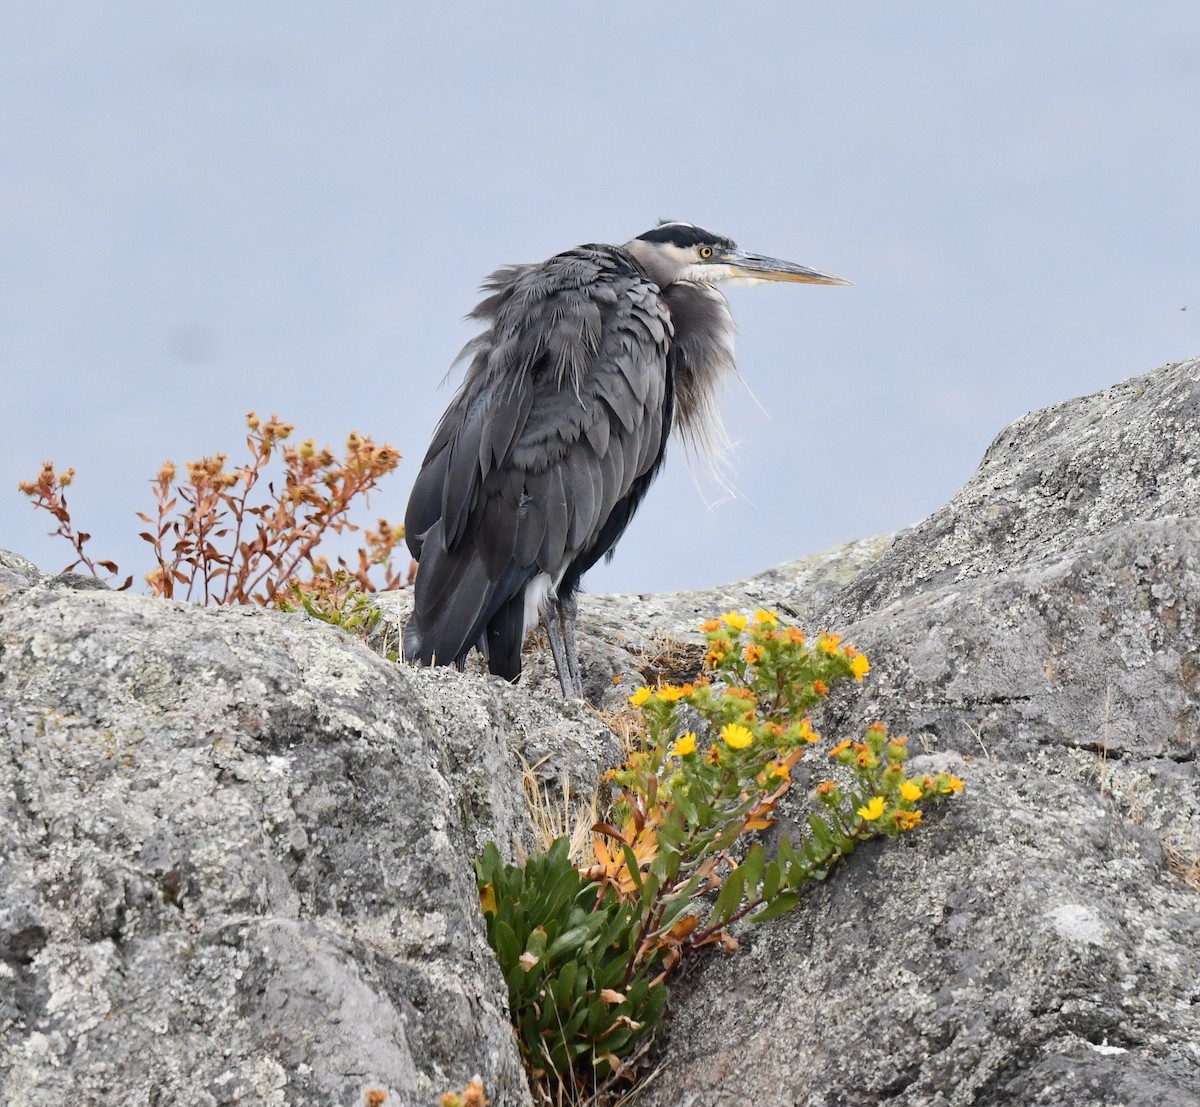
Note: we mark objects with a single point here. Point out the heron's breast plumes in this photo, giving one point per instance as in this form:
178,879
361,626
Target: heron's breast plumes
703,349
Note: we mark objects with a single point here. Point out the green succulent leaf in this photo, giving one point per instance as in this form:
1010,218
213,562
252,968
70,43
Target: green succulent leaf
780,905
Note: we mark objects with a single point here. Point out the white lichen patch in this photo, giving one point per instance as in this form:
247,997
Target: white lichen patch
1080,924
43,645
333,669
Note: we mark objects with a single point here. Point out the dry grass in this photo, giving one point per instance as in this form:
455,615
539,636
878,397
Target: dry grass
671,661
1186,868
563,815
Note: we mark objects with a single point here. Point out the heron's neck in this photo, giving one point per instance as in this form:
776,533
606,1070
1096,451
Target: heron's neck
661,262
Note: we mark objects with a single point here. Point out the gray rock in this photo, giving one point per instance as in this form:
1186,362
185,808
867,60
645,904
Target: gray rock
1034,943
17,571
1028,947
236,846
1051,482
235,862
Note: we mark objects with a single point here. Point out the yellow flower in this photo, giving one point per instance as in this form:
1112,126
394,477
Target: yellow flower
906,820
873,809
911,791
734,619
794,635
843,745
779,770
829,642
948,784
766,618
736,736
820,688
670,693
807,732
709,625
859,666
716,652
684,744
825,787
640,697
753,654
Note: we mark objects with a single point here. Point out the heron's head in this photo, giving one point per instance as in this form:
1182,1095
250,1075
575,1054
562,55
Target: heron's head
674,252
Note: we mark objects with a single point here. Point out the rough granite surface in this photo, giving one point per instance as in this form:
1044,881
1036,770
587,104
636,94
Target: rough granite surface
235,862
1038,942
236,846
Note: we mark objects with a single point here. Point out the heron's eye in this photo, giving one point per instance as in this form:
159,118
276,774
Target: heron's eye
706,252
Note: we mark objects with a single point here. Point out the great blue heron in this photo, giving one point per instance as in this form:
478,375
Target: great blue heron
587,362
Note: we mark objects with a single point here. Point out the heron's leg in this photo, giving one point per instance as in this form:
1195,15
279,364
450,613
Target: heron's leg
569,612
559,617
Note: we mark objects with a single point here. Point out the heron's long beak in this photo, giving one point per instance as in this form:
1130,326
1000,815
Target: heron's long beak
754,267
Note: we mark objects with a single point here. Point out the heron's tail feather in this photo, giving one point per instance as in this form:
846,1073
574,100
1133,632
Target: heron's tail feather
457,601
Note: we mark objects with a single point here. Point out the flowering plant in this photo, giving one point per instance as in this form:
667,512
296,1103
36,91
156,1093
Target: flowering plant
668,873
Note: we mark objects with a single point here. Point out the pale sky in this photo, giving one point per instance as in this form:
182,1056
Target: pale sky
209,208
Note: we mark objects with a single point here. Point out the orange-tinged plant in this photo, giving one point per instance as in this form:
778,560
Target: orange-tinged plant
233,535
473,1095
48,492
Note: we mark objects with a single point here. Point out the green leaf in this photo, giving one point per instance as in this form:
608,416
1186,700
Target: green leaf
572,1027
599,1018
686,805
729,835
536,943
667,863
505,943
631,863
798,874
615,1039
487,864
562,987
752,867
770,884
822,834
514,978
729,898
569,941
650,887
785,854
780,905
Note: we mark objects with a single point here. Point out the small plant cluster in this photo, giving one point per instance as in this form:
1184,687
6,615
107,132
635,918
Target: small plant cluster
473,1095
336,597
234,541
587,949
